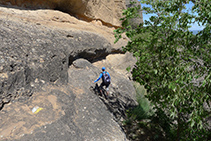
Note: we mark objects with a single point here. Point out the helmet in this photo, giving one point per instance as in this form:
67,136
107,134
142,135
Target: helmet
103,68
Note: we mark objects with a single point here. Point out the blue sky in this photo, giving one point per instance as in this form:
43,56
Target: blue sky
194,26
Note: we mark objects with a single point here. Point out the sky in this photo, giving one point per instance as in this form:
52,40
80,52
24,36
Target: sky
194,26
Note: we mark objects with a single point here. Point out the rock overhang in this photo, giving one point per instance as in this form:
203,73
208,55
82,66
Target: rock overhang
87,10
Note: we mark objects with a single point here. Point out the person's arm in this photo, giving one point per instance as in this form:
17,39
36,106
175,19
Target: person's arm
99,77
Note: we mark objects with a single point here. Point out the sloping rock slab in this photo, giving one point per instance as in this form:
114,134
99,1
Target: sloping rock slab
122,95
31,55
69,112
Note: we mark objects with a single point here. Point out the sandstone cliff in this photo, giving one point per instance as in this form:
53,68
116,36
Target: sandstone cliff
108,11
49,59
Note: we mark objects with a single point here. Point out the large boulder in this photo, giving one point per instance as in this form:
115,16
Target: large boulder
47,65
108,11
31,54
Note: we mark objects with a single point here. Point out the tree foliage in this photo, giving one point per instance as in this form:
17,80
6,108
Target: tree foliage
173,64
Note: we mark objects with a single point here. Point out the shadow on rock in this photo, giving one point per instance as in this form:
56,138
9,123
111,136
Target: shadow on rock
116,103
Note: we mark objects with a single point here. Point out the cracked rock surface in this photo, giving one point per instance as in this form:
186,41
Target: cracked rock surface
48,61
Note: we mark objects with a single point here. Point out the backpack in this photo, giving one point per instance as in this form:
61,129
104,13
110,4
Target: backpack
106,78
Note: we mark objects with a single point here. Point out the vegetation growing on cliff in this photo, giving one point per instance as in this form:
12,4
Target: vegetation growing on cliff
174,64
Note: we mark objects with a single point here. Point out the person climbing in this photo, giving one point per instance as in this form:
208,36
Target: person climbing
106,80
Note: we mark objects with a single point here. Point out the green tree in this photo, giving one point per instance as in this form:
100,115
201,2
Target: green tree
173,64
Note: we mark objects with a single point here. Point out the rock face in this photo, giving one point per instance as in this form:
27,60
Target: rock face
48,61
30,56
85,9
72,111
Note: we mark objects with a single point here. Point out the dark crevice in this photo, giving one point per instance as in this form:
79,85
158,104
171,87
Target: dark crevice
2,106
92,55
53,56
64,61
69,36
71,59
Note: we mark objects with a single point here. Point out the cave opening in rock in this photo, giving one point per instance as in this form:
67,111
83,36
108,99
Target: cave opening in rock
91,56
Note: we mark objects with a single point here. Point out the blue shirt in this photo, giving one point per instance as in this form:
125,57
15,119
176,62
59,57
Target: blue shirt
101,75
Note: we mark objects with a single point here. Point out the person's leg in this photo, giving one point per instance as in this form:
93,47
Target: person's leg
101,88
107,89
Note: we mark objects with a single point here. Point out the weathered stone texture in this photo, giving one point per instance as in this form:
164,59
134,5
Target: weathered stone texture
108,11
72,111
47,60
31,54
